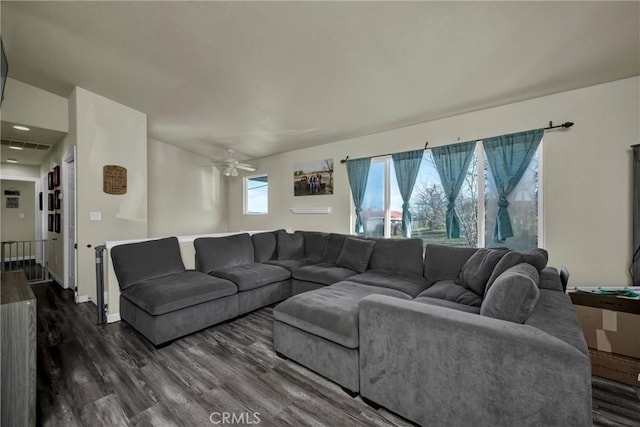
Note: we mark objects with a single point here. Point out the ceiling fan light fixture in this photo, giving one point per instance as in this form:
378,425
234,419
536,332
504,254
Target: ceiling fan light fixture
234,172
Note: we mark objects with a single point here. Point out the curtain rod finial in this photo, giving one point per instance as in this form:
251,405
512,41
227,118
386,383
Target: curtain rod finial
344,160
426,144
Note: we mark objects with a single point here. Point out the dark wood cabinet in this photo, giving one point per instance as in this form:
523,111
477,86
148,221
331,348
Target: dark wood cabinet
18,351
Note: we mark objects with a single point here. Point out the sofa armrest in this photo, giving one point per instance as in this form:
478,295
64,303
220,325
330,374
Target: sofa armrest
436,365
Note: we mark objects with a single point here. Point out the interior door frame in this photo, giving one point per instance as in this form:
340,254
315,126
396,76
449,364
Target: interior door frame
69,252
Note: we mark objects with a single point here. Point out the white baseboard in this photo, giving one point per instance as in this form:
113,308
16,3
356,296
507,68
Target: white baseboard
82,298
56,279
112,318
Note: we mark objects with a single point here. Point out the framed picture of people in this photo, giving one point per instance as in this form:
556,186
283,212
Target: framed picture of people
313,178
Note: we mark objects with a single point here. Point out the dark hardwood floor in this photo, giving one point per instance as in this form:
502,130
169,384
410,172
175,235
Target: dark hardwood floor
91,375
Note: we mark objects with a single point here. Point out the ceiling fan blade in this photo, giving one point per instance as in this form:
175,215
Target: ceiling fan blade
245,167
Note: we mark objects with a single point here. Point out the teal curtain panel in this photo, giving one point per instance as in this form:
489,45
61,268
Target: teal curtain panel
407,165
358,172
452,163
509,156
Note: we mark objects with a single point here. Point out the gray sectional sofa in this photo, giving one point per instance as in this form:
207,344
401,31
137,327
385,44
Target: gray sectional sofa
441,335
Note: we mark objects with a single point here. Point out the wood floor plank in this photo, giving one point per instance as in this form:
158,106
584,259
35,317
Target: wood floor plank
110,375
106,412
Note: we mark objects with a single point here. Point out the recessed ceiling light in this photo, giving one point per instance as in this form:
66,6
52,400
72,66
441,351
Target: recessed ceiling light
12,161
15,147
21,127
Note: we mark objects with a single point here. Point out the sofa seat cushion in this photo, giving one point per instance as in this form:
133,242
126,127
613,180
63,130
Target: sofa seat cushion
330,312
291,264
323,273
252,276
165,294
449,290
448,304
411,284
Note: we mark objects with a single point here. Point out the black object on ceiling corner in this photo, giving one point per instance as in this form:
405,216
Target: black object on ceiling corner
4,70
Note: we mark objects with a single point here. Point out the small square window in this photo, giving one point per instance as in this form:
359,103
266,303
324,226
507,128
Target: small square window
256,195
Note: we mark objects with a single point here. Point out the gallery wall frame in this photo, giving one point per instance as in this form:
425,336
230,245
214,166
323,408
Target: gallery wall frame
56,176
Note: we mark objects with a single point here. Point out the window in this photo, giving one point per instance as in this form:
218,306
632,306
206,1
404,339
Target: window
476,205
256,195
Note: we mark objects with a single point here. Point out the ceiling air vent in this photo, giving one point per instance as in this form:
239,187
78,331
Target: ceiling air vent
25,145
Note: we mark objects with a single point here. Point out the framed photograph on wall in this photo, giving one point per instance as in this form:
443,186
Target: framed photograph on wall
56,176
313,178
50,202
50,181
40,200
56,199
50,222
56,223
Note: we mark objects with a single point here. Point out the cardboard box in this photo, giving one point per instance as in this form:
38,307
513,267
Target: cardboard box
609,324
618,368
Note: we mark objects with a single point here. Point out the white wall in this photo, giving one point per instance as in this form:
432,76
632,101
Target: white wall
587,175
19,223
26,171
187,195
29,105
107,133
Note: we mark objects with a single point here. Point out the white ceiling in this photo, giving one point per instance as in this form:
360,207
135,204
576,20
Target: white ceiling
28,155
263,77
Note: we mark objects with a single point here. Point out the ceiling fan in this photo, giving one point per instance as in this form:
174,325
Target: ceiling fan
232,165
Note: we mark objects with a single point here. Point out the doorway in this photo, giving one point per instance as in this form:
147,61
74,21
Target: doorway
21,247
69,220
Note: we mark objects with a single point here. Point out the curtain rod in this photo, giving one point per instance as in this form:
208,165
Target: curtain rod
551,126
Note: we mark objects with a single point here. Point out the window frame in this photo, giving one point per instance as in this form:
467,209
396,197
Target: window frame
245,193
482,220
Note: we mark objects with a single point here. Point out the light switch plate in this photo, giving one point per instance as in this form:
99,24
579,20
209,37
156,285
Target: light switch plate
95,216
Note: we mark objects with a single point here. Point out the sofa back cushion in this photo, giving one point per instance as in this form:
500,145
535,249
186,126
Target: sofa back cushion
214,253
290,246
402,255
510,259
444,262
135,262
333,247
513,295
477,270
537,257
355,254
264,246
314,244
